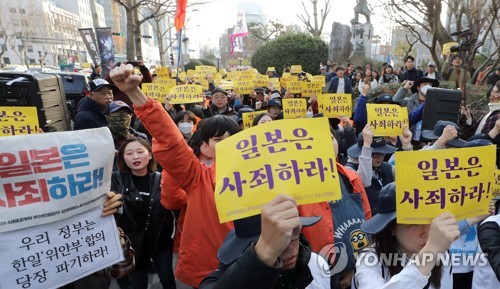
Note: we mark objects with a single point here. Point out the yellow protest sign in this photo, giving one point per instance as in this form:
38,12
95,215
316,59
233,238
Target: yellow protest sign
287,75
17,120
294,107
387,119
245,75
309,76
243,86
162,72
335,105
182,76
156,91
495,191
190,72
248,118
272,68
311,88
166,81
296,69
222,71
275,82
261,80
431,182
203,82
205,69
294,86
231,75
319,78
186,94
86,65
447,46
279,157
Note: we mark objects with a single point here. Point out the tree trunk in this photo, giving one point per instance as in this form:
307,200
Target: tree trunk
130,35
137,36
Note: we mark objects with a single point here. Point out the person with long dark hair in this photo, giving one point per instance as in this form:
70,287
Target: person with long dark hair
405,255
144,220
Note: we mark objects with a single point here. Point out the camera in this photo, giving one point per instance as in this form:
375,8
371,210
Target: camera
465,43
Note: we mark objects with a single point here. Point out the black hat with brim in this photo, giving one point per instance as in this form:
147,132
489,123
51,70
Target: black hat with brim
387,211
246,231
378,145
432,81
438,131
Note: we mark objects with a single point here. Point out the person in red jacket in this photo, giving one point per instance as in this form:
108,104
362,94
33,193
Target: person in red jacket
203,233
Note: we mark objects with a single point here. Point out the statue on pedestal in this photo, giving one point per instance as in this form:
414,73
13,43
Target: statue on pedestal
361,8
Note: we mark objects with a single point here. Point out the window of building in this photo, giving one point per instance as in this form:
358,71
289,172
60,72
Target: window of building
6,60
13,10
30,48
32,61
22,11
3,47
19,48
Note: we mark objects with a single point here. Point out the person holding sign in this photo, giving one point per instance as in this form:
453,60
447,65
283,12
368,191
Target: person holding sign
405,256
268,251
203,234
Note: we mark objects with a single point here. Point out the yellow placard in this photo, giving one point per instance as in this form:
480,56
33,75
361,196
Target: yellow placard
86,65
495,191
335,105
287,75
319,78
156,91
182,76
311,88
186,94
309,76
261,80
294,86
294,108
222,71
243,86
162,72
447,46
432,182
17,120
190,72
166,81
248,118
387,119
275,82
272,68
296,69
231,75
203,82
245,75
205,69
279,157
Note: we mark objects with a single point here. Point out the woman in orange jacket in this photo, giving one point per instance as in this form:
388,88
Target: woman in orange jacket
203,233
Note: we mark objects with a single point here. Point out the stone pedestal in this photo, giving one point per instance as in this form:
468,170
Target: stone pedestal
362,34
340,47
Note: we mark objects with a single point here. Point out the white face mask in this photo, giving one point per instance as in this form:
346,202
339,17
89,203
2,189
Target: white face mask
309,114
424,89
186,127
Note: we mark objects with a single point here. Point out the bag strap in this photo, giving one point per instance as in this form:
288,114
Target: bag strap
154,188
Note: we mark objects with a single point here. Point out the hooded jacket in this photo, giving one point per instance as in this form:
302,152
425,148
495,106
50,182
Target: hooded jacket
89,115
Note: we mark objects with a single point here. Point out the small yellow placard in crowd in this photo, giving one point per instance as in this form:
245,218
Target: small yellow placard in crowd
248,118
205,69
186,94
294,86
311,88
275,82
387,119
296,69
294,108
166,81
156,91
335,105
243,86
447,46
495,192
162,72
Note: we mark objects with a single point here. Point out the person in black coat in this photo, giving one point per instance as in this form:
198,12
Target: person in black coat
92,109
333,86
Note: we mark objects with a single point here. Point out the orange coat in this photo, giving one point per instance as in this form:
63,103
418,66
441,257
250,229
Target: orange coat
174,198
321,234
203,234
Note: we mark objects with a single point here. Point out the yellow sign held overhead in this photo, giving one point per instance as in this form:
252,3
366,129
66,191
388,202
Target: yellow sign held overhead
447,46
156,91
311,88
296,69
319,78
275,82
283,157
431,182
162,72
186,94
205,69
166,81
17,120
294,108
261,80
272,68
387,119
335,105
294,86
243,86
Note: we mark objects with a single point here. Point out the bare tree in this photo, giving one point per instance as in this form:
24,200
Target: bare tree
315,25
266,32
5,36
162,29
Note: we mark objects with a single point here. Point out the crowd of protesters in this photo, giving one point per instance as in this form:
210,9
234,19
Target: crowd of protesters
170,209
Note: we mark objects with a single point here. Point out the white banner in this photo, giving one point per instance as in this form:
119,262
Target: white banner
55,254
53,176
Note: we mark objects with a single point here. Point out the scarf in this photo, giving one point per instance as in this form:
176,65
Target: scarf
493,106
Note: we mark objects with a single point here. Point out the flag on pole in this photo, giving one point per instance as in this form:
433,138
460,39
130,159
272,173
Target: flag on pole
240,30
180,14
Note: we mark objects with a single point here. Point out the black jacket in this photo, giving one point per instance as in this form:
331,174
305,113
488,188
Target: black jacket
248,272
412,75
489,239
213,110
89,115
146,240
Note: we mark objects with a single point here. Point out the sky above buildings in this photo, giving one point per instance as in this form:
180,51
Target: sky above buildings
206,25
